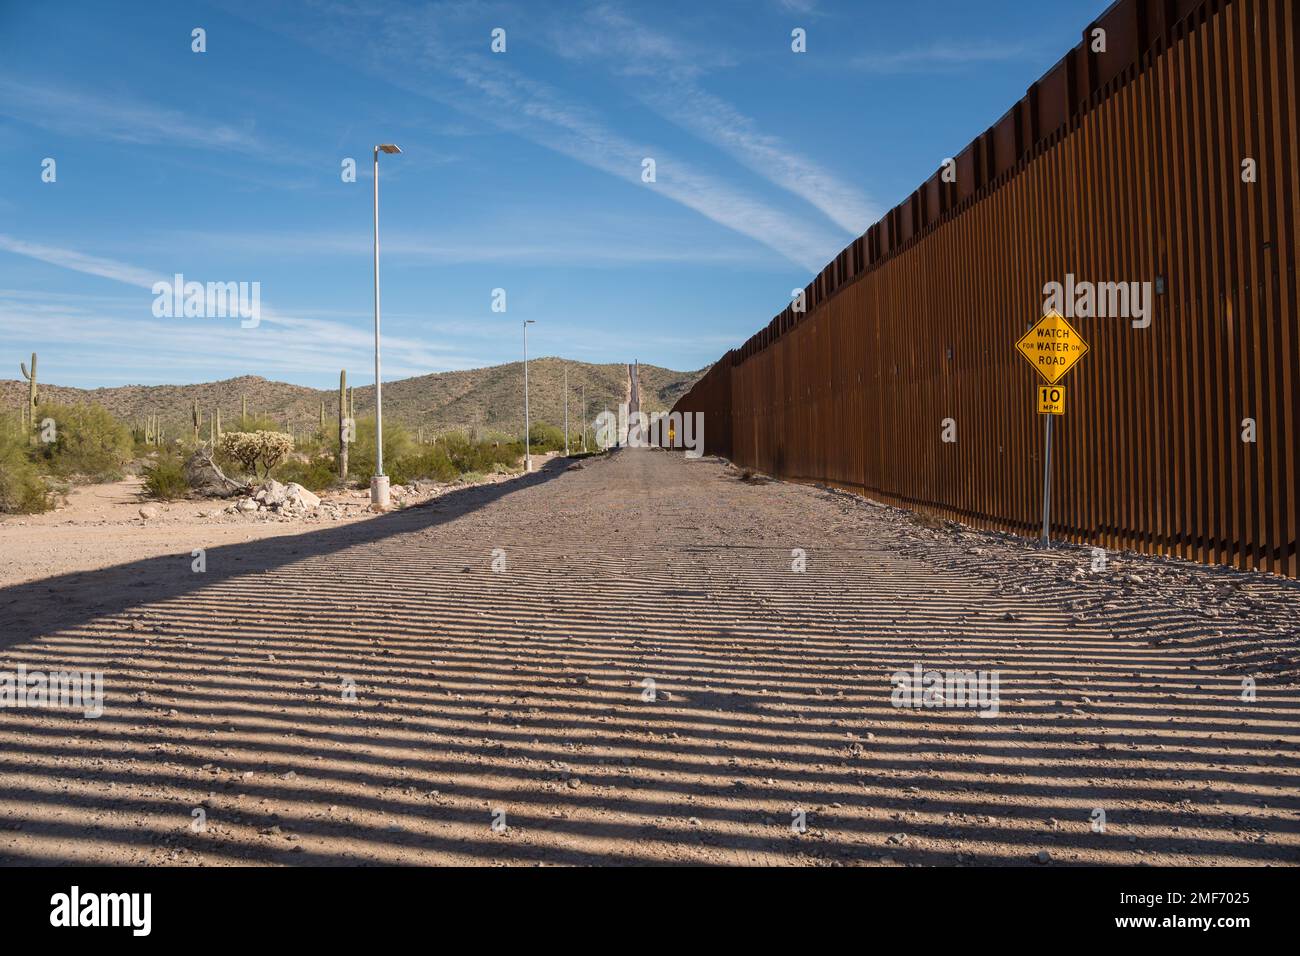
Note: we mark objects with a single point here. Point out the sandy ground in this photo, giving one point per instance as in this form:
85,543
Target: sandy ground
503,716
100,525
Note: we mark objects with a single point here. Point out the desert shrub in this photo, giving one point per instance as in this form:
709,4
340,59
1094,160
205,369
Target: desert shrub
543,437
87,441
398,444
312,445
22,489
164,477
170,441
480,456
253,423
314,474
256,452
426,461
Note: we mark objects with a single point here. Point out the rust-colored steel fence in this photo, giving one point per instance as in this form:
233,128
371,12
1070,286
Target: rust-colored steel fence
1170,158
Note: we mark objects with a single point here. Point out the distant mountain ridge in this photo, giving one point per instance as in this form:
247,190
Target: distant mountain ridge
490,399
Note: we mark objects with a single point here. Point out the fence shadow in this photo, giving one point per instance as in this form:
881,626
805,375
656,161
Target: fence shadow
38,607
639,683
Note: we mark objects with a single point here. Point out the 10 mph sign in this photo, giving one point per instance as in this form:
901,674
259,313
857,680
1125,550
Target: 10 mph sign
1051,399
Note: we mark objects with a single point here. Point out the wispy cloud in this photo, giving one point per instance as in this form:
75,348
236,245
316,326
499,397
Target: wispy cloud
402,46
291,342
118,118
79,261
674,67
947,56
536,240
543,115
807,7
202,349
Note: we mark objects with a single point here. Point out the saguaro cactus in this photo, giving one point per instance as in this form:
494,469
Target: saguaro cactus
197,417
243,414
343,424
218,423
322,418
29,413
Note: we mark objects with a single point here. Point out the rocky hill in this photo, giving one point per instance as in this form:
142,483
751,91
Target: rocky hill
490,399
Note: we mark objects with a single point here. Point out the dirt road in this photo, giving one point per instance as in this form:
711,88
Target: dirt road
466,682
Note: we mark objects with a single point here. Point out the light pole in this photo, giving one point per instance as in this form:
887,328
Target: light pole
379,482
528,442
566,411
584,417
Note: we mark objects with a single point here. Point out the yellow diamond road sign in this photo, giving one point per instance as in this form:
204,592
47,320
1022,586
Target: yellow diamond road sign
1052,347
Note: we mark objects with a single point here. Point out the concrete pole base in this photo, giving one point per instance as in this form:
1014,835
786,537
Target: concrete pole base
379,493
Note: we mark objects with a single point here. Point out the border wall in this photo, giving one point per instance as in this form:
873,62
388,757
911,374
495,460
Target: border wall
1122,165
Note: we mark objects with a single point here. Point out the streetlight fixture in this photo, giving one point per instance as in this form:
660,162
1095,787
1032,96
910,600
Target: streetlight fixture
528,442
379,482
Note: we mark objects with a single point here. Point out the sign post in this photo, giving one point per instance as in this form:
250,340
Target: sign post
1046,540
1052,347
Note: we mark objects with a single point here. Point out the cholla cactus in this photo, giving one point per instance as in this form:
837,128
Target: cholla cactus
254,449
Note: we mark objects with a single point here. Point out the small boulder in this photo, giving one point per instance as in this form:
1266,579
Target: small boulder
272,493
246,505
148,511
300,497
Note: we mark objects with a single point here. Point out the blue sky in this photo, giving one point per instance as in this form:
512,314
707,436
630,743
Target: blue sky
521,170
